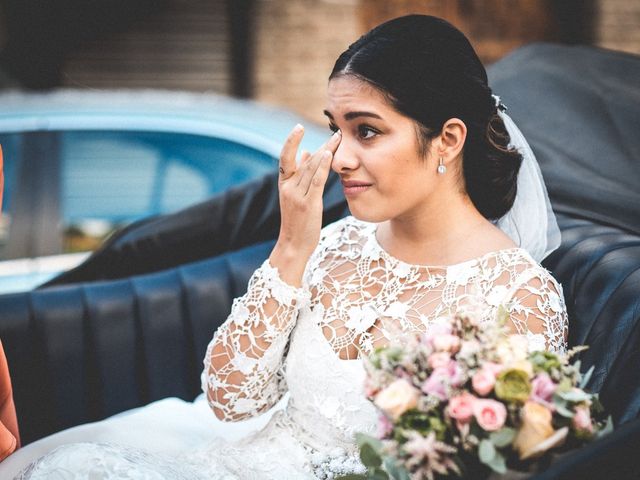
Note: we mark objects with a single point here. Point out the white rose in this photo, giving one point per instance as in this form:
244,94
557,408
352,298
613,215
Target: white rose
397,398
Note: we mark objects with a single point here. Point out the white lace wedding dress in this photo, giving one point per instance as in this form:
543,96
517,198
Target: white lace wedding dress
309,341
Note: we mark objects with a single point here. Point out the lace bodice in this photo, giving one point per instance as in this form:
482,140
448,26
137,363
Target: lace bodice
359,297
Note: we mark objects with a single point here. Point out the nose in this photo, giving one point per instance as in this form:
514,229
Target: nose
344,159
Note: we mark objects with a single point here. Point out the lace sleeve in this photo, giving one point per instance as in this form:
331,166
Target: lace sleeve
537,310
242,374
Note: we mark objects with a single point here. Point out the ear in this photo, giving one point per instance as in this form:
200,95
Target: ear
450,142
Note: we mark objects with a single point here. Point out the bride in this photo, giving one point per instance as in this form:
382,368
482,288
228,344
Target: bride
449,213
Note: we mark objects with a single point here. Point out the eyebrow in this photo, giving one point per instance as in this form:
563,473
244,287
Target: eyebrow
352,115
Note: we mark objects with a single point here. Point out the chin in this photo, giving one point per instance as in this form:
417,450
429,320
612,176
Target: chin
367,214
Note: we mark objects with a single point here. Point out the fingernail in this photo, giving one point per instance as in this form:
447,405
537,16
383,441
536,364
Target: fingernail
298,128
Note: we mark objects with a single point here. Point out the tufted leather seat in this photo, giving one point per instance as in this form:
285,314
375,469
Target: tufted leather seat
82,352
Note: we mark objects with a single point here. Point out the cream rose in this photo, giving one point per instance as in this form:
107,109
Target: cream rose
397,398
535,430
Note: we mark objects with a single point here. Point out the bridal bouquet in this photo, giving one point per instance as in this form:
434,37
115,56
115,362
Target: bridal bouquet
467,399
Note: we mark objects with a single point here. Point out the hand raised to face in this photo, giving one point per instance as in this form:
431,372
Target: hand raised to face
301,185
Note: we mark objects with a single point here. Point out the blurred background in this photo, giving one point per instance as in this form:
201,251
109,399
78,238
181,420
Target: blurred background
88,152
276,51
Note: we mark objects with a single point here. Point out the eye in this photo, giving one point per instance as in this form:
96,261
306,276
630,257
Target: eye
333,128
366,132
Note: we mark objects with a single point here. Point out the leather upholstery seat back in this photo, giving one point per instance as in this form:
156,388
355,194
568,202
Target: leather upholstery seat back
83,352
599,268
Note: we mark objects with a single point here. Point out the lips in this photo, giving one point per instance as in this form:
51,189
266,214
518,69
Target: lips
353,187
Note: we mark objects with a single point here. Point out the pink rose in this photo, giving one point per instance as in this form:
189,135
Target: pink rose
439,360
489,414
542,388
461,407
582,419
455,374
402,373
369,388
483,381
446,343
436,383
494,368
435,331
385,426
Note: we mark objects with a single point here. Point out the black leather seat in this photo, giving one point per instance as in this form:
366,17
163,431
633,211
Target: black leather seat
83,352
131,325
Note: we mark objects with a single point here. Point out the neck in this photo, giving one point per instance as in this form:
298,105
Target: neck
437,235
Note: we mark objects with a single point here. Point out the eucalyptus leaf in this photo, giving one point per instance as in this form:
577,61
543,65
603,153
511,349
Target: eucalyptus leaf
498,464
378,474
369,456
608,427
352,476
575,396
586,377
503,437
564,411
397,472
362,438
486,451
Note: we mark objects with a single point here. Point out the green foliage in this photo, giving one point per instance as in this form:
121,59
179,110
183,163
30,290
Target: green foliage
503,437
369,456
377,474
396,471
575,396
491,457
607,429
422,422
545,361
586,377
362,438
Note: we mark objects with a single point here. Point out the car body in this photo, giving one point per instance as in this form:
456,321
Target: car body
81,164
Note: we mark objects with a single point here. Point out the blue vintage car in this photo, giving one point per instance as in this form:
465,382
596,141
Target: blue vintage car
80,164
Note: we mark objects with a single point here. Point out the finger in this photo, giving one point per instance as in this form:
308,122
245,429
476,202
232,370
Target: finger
319,179
310,172
332,143
287,165
304,157
307,169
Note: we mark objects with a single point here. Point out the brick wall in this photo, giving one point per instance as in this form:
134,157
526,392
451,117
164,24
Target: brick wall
618,25
297,43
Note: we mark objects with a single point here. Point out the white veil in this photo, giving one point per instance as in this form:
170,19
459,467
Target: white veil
531,222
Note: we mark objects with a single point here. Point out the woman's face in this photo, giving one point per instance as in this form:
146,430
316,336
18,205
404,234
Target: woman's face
383,173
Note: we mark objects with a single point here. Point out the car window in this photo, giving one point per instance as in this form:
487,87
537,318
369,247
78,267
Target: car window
109,179
11,150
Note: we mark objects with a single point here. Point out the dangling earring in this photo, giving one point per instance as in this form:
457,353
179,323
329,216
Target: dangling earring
441,168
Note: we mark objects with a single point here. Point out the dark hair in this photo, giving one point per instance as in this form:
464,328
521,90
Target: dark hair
429,72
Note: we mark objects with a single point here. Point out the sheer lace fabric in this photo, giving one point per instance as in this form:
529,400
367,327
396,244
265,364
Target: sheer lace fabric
361,297
309,341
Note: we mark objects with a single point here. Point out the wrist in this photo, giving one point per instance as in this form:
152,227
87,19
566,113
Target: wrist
290,262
